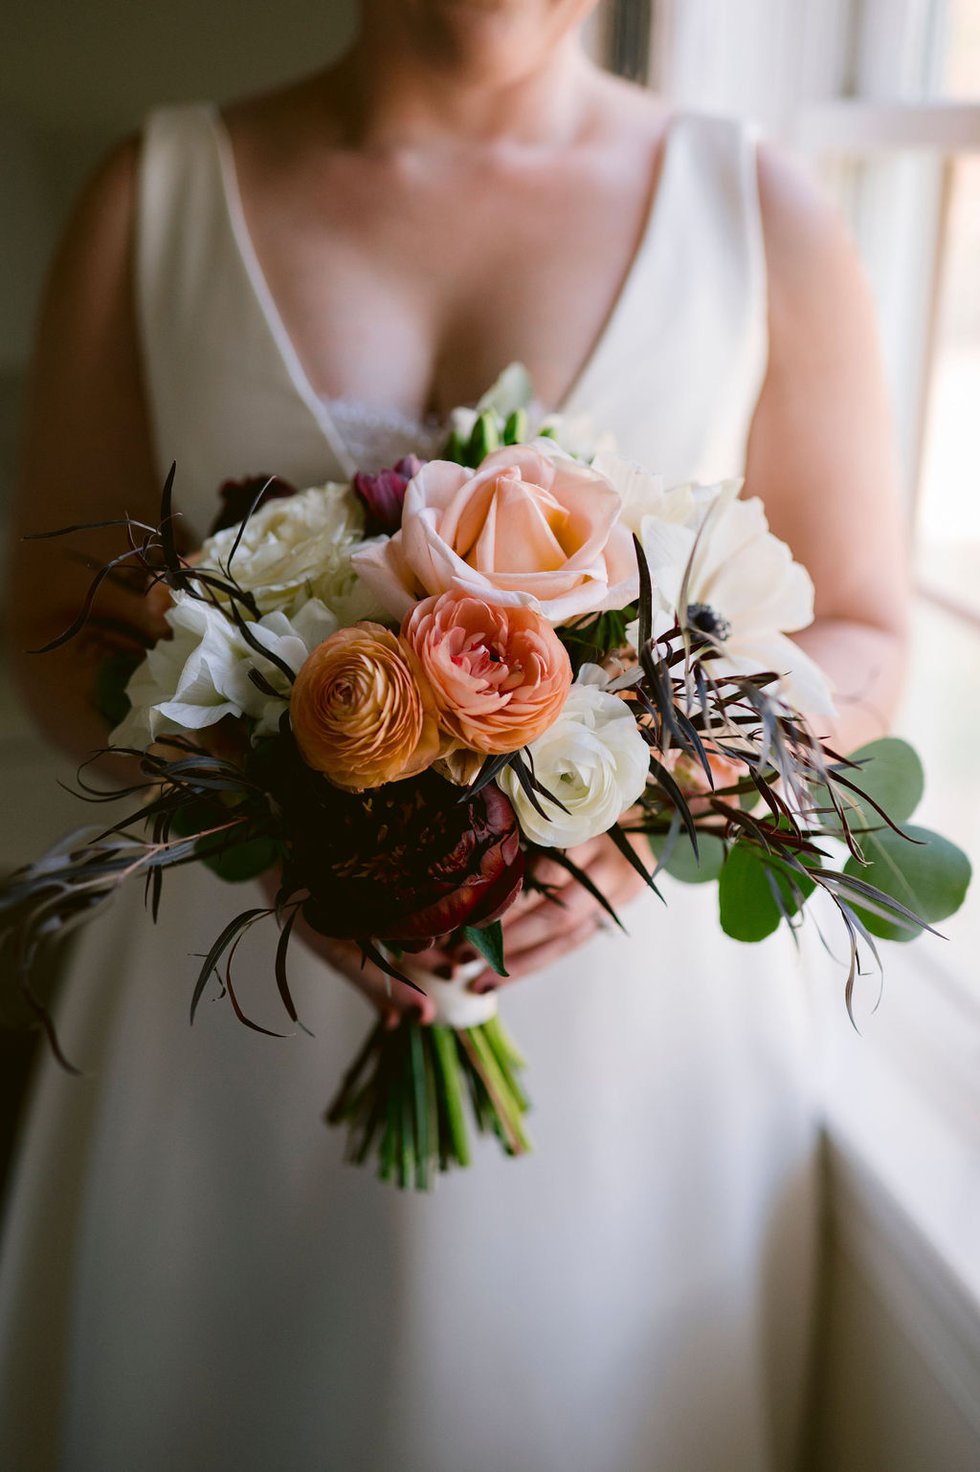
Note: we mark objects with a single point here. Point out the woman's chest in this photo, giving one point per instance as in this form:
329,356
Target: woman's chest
410,288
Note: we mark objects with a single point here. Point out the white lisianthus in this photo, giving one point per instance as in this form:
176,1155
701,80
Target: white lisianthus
201,675
290,640
740,586
296,548
574,432
593,759
187,682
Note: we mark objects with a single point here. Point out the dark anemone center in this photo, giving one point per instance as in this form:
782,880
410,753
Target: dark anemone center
703,618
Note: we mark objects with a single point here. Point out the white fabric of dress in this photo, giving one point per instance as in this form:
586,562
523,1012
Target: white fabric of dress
192,1278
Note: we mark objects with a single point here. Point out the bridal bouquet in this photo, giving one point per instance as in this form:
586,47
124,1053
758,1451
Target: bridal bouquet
400,694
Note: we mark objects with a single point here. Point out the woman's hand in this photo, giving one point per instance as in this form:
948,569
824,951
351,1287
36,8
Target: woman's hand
392,999
539,930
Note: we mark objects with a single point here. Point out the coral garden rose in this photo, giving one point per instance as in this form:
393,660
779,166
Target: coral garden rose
359,713
530,527
498,676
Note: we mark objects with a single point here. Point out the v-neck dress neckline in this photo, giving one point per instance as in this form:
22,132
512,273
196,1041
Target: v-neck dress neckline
319,404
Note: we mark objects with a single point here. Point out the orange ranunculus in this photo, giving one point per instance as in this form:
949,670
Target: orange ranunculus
498,675
359,711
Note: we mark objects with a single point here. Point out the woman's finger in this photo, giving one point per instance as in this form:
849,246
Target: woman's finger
614,879
538,957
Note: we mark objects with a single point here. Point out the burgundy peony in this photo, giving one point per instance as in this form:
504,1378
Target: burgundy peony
238,498
383,496
408,862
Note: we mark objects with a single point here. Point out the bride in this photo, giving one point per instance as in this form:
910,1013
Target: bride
303,283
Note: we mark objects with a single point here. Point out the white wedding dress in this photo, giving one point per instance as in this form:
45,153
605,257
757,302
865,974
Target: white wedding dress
192,1278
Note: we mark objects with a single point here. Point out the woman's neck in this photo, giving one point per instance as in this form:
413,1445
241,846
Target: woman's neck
387,97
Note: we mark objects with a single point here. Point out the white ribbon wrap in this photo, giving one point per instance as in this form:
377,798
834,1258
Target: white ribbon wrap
456,1006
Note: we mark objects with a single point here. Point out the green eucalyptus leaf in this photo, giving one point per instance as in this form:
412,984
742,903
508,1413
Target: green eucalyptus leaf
930,877
244,861
489,941
748,907
891,773
234,862
683,865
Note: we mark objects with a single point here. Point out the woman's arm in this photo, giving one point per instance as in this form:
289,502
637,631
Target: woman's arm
86,457
822,453
821,456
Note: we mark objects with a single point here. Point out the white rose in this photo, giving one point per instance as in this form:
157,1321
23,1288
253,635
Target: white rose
296,548
593,759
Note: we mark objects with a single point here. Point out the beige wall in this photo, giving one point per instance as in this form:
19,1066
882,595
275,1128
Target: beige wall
97,64
76,74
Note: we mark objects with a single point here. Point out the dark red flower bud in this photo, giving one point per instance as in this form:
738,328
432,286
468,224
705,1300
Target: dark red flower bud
238,498
383,495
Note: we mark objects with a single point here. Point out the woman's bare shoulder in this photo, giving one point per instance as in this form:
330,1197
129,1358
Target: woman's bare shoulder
95,245
815,276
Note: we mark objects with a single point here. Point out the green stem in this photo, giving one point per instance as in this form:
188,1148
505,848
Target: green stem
424,1148
444,1044
340,1107
507,1107
506,1061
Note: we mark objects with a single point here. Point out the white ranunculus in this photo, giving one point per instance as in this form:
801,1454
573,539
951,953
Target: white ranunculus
187,682
296,548
593,759
742,588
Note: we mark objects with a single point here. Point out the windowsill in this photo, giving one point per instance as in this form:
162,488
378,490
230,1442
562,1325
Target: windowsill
902,1121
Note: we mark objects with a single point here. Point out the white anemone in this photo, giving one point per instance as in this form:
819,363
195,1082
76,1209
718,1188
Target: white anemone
739,585
643,493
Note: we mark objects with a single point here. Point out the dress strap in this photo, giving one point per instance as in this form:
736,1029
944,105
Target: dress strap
692,318
215,374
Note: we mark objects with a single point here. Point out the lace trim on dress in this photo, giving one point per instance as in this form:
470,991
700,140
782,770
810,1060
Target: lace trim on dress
376,437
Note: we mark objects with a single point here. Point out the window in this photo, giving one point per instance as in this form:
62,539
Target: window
884,96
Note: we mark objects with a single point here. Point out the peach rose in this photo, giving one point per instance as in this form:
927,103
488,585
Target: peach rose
530,527
498,676
359,711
